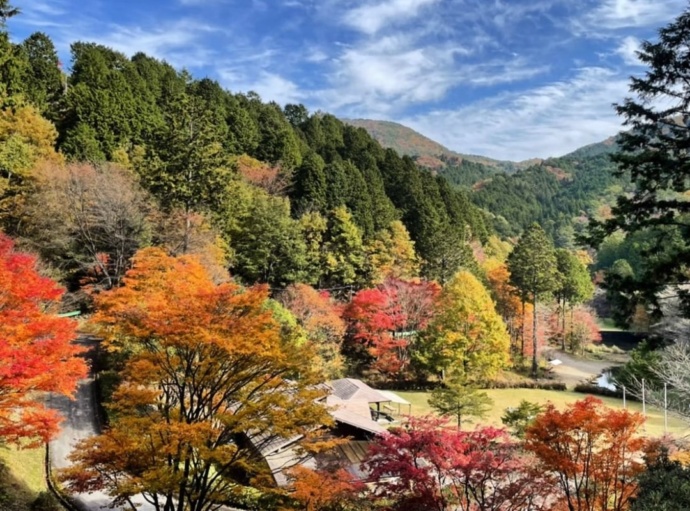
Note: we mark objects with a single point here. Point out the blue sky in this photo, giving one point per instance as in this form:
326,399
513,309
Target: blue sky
510,79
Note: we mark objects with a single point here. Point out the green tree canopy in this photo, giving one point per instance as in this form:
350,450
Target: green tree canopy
533,271
653,153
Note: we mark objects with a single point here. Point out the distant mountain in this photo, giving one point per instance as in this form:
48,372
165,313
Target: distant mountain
429,154
558,193
606,147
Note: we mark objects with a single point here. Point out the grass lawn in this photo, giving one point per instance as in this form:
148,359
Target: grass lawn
608,324
22,479
505,398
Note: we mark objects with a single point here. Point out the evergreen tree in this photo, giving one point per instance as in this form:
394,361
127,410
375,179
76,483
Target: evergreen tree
533,271
13,59
187,167
343,250
653,153
44,80
309,186
575,285
267,242
459,400
664,486
7,11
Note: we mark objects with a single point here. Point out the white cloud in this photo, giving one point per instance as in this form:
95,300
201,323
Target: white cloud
270,86
373,16
179,42
550,120
617,14
389,74
627,50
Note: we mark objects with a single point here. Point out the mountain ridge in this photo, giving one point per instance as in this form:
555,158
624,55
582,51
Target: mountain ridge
429,153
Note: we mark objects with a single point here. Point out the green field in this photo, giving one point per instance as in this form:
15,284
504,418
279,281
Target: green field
505,398
21,477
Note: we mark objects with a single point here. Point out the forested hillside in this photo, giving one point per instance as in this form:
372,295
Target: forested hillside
557,193
283,196
427,153
247,270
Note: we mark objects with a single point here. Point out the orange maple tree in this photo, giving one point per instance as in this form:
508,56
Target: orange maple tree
596,453
210,382
36,350
319,490
319,314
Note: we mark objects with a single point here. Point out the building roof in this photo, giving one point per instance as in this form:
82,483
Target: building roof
354,412
349,388
394,398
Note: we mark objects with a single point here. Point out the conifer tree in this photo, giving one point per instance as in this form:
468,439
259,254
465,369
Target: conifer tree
533,271
653,152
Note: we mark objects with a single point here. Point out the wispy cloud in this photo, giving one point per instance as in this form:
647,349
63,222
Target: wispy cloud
627,50
549,120
270,86
371,17
179,42
617,14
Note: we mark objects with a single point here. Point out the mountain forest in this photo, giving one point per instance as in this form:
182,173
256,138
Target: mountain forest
223,269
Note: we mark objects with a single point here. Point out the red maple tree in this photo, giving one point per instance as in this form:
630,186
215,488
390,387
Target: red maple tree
424,466
386,319
36,350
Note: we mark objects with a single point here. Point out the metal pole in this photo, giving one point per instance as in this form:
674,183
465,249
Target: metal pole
644,405
624,397
665,408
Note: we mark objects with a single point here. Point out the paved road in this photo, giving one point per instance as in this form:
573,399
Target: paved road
575,370
80,423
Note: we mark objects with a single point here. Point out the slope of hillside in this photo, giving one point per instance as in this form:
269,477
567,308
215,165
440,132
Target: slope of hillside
430,154
558,193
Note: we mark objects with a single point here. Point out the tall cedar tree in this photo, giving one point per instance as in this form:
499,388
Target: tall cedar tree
208,383
187,169
594,451
36,349
575,286
532,266
653,152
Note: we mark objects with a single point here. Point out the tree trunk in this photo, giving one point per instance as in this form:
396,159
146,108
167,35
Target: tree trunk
534,337
563,327
187,229
522,333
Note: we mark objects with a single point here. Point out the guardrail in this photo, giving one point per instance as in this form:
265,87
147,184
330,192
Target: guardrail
54,488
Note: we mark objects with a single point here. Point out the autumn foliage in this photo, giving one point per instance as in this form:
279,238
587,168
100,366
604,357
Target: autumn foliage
319,315
36,349
208,383
383,321
319,490
596,453
424,466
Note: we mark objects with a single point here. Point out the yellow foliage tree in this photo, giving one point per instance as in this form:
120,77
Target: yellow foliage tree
467,336
391,254
26,138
